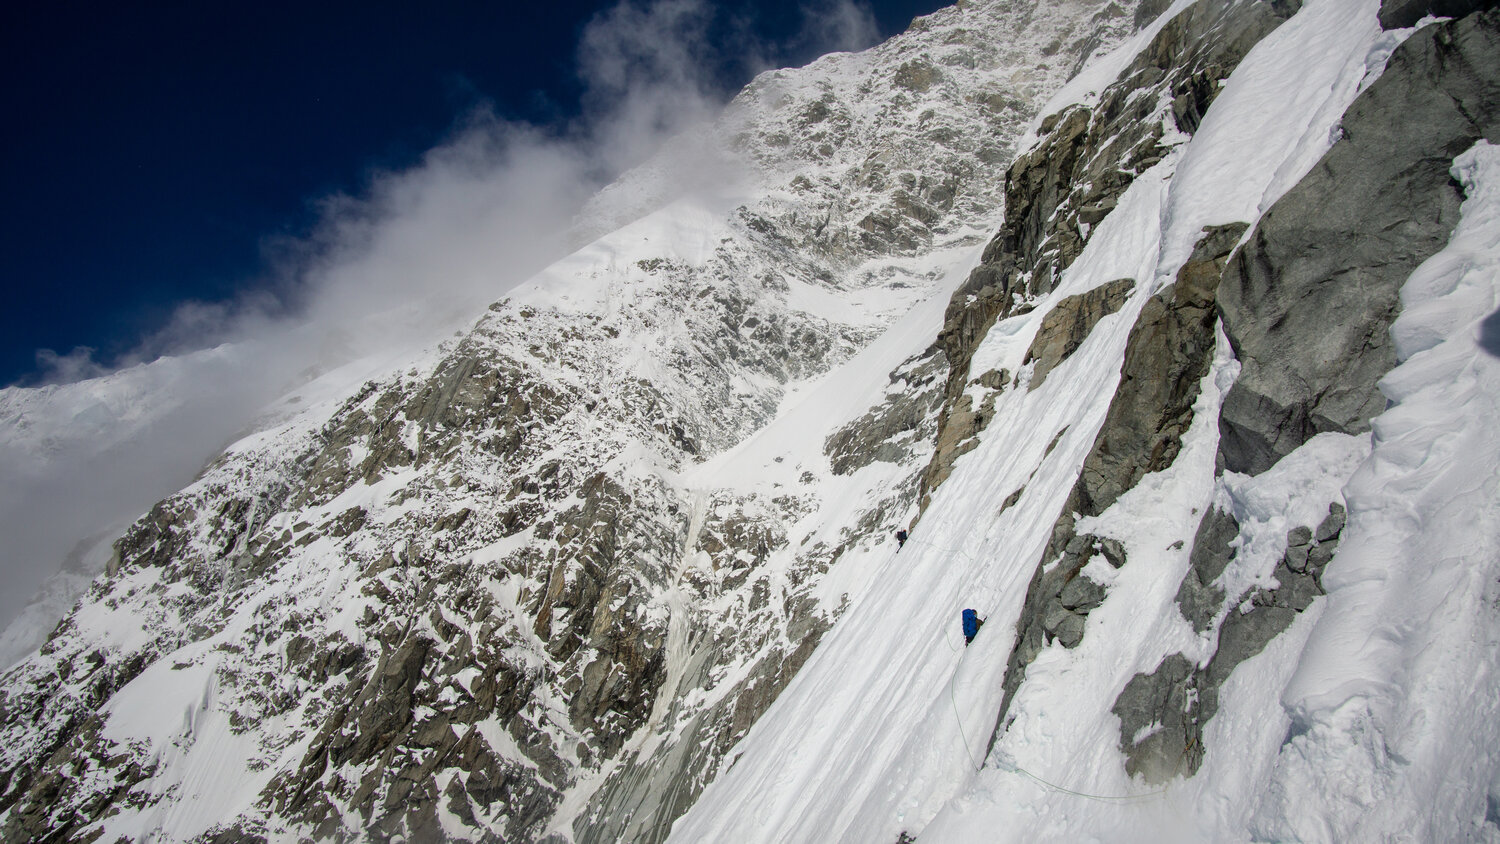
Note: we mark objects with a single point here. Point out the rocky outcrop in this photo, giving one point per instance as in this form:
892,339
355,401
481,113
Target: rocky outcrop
1310,325
1085,159
1308,303
1065,327
1198,598
1399,14
1162,712
1170,348
1167,356
891,430
650,789
473,600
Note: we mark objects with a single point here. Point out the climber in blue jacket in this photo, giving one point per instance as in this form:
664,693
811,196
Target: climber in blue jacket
972,623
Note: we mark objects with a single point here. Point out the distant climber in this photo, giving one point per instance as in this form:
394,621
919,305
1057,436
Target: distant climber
900,539
972,623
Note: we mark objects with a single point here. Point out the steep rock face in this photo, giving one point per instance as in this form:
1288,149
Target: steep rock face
1159,649
1383,195
1083,162
1162,713
1069,322
887,432
1311,325
1166,358
1395,14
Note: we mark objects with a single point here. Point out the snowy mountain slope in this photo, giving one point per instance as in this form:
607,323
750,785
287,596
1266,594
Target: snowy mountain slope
1199,425
493,592
1159,659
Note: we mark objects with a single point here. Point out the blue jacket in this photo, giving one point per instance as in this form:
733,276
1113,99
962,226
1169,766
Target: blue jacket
971,623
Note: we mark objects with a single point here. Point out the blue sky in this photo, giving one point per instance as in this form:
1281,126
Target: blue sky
166,152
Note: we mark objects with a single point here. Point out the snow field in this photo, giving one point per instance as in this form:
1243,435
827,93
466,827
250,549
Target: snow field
1376,711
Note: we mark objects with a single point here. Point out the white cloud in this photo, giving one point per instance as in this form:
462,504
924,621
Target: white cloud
841,25
418,255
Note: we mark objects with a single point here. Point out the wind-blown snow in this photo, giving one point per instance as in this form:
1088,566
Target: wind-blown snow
1397,689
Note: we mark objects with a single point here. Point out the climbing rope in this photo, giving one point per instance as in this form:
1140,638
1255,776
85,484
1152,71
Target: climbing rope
911,540
1004,760
978,763
1009,764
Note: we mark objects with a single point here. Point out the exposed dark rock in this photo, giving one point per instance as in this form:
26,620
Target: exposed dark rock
1399,14
1065,327
1159,713
1197,598
916,76
890,431
644,795
1113,551
1167,356
1082,594
956,436
1150,10
1065,626
1085,160
1010,500
1057,602
1333,525
1162,712
233,836
995,379
1308,303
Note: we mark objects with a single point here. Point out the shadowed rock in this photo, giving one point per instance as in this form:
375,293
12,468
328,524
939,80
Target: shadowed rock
1085,160
1167,356
1068,324
1309,301
1162,712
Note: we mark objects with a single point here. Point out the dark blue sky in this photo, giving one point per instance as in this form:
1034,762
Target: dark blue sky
151,149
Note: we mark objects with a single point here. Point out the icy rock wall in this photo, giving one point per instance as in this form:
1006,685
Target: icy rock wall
1307,305
1311,326
1087,155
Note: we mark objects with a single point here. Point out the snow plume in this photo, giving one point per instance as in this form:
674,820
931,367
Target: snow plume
651,59
411,260
838,25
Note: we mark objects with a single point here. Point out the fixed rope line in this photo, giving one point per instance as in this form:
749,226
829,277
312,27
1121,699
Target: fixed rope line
911,540
1005,761
1102,798
1009,764
978,763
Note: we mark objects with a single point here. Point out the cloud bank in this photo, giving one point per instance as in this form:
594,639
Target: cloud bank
416,256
